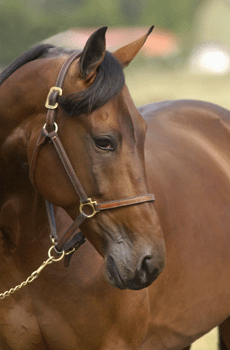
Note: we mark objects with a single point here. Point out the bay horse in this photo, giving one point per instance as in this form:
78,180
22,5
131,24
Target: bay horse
69,127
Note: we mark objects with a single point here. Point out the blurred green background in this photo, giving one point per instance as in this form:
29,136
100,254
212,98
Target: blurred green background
23,23
196,23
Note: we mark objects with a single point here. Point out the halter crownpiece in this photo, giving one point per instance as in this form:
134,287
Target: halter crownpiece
70,241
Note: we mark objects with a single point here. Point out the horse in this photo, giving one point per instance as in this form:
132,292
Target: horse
151,275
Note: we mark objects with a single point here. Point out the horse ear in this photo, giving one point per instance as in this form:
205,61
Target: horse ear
127,53
93,53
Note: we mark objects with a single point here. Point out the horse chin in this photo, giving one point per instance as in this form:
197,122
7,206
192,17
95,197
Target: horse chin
115,278
116,283
137,284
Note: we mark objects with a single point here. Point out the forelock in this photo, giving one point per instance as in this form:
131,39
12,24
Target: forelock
107,84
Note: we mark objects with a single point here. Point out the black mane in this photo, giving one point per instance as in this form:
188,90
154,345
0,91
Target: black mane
108,82
30,55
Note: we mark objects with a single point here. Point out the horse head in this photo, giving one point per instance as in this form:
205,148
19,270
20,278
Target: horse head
103,135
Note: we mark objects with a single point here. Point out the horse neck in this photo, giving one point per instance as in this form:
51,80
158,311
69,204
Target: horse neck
22,217
24,236
12,111
24,94
22,209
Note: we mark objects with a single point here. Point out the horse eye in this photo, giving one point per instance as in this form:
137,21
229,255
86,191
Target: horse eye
104,143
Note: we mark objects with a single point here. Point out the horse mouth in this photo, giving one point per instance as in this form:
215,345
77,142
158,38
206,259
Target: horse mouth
112,275
138,281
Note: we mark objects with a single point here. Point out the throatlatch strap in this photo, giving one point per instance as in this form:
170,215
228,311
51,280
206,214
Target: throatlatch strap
69,246
52,221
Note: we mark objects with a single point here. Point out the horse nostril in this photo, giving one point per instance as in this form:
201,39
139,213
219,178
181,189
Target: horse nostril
147,265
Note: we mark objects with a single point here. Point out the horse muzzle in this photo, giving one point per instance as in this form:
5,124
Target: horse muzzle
126,271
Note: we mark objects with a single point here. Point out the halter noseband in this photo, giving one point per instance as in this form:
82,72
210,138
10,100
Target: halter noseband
70,241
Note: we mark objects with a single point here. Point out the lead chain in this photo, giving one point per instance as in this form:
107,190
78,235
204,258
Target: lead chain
33,275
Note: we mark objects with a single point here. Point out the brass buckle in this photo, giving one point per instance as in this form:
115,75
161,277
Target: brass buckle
90,203
47,104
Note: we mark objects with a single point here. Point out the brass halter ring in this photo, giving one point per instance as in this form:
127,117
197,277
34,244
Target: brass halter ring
92,205
62,254
55,127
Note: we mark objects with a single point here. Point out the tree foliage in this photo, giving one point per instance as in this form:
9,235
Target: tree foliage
26,22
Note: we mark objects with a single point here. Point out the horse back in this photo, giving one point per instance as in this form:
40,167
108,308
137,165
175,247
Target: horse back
188,168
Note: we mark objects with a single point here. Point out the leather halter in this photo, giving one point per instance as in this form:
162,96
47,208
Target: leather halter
70,242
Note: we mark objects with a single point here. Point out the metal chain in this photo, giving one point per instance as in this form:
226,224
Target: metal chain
35,274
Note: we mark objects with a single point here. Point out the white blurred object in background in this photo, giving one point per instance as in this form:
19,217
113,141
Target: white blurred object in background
210,58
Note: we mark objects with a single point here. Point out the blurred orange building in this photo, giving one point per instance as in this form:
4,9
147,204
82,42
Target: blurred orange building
159,43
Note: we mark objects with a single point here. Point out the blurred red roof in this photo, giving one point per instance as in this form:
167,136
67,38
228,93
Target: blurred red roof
159,43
